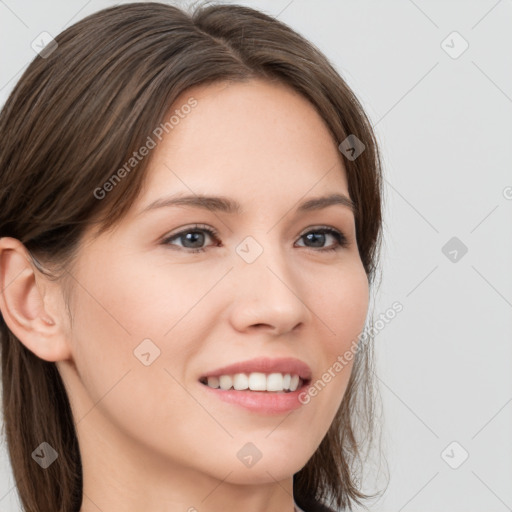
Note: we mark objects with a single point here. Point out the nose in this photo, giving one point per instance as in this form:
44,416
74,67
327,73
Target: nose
268,295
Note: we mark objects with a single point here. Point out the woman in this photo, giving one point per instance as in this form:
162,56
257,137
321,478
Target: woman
191,214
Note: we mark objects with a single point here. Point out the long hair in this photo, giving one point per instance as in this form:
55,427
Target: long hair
79,111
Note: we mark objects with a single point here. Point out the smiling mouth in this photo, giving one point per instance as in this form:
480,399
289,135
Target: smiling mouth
256,382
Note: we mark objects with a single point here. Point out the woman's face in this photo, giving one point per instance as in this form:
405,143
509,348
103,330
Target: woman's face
153,316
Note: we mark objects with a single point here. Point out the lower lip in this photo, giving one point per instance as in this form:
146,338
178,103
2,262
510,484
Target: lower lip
263,402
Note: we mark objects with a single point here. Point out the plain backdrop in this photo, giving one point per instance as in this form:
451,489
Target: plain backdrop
436,81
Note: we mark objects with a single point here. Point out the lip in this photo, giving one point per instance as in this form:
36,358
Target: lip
267,365
261,402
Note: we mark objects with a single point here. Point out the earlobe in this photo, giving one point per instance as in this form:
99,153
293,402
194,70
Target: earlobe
23,293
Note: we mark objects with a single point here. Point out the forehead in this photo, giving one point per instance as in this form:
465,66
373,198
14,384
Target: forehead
249,138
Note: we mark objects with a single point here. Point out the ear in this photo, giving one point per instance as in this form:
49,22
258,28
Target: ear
31,304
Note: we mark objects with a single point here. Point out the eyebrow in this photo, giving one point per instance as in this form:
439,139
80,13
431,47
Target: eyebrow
227,205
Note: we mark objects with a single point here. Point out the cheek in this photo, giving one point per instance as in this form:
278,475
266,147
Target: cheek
140,301
126,304
341,305
125,313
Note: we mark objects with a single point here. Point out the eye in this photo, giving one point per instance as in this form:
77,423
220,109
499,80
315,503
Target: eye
193,238
317,237
193,235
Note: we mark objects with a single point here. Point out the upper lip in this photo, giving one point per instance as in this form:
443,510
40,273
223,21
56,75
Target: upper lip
265,365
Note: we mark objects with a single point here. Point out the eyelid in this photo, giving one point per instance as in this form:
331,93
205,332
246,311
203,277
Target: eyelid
193,227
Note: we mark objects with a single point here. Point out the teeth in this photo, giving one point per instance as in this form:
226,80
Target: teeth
275,382
240,381
226,382
294,384
213,382
256,381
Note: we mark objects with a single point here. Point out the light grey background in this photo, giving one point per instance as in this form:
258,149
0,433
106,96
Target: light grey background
445,129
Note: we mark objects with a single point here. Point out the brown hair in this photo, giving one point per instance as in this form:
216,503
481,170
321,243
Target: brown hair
75,116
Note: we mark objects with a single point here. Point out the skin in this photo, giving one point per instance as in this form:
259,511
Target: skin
151,438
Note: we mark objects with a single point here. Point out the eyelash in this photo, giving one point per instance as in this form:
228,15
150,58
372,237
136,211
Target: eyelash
341,240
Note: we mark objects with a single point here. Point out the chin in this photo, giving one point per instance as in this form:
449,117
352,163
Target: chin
279,466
